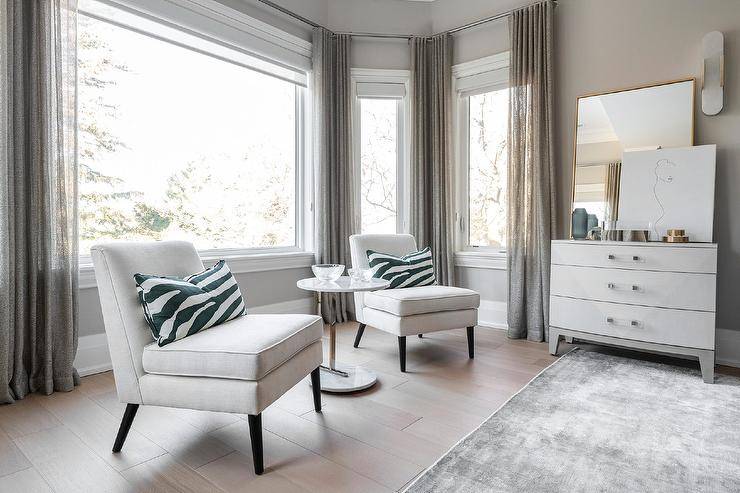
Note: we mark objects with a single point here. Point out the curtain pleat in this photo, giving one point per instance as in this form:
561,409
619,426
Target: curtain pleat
611,190
335,202
531,188
431,150
38,197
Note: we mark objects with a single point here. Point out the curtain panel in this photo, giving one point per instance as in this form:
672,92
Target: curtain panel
431,150
335,201
531,187
611,190
38,197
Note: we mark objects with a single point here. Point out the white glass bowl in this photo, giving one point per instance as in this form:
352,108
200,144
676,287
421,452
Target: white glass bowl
327,272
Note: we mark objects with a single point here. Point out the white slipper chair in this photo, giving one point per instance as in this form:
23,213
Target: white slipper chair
241,366
410,311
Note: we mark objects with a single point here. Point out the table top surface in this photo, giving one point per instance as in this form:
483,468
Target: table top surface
342,285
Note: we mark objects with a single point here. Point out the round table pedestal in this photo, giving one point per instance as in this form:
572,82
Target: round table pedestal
357,379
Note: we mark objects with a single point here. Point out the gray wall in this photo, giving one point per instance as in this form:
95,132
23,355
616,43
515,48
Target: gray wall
603,44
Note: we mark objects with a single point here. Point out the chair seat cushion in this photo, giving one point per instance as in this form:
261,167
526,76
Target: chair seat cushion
423,299
246,348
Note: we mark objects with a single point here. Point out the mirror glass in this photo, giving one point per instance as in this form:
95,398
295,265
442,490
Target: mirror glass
612,124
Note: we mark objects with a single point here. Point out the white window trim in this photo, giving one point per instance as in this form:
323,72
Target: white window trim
490,73
403,195
229,27
232,22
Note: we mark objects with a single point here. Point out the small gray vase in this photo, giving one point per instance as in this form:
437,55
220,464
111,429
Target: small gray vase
579,224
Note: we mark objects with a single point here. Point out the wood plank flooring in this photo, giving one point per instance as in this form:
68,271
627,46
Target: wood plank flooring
376,440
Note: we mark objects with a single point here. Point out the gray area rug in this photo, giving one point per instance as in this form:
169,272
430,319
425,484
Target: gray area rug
599,422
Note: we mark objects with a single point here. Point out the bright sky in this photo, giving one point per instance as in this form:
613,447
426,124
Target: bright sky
176,105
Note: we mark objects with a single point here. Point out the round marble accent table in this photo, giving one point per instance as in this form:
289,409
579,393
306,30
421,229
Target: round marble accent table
338,377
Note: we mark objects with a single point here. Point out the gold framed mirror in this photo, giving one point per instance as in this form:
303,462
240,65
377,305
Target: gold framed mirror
608,125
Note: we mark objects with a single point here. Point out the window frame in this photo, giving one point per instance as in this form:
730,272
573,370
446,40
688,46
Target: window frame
248,259
485,74
403,140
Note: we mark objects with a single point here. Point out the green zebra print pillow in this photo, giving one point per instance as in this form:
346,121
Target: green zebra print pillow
176,308
414,269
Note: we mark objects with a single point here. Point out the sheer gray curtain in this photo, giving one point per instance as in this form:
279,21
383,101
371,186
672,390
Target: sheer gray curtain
431,150
335,201
531,188
38,195
611,190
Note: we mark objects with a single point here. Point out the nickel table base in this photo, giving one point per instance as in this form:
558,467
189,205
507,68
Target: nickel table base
339,377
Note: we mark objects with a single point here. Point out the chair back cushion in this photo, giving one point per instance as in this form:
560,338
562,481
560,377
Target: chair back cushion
413,269
125,326
175,308
398,245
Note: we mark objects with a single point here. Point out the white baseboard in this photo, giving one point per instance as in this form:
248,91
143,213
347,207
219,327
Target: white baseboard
92,355
727,343
492,314
92,350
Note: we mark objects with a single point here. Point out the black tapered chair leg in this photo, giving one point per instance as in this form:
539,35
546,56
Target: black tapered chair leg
360,331
255,435
402,352
316,388
128,417
471,342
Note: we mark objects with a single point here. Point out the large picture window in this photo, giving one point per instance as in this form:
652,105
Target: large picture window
176,143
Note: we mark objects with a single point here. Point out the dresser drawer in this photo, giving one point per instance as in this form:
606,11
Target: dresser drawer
659,325
659,289
656,257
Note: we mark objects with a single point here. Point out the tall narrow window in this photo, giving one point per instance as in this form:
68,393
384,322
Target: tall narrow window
379,149
379,165
487,168
180,143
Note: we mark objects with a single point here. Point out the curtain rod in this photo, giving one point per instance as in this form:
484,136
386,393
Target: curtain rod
454,30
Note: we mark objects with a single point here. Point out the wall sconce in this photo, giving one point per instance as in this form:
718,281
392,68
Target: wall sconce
713,73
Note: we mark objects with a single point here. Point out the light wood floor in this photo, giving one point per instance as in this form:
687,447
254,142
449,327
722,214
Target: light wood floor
377,440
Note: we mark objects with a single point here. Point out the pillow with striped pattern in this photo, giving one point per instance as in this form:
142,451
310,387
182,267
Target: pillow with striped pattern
176,308
414,269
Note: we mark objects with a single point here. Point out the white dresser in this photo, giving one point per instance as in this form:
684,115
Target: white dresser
651,296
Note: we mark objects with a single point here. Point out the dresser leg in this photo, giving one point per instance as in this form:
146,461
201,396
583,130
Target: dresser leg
706,362
554,341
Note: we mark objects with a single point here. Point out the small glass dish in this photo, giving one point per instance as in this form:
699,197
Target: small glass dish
327,272
367,274
355,274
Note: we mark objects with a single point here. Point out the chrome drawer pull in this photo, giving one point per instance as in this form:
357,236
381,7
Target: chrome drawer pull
635,258
612,321
635,287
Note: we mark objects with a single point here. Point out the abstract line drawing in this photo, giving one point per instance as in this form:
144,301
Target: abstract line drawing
662,172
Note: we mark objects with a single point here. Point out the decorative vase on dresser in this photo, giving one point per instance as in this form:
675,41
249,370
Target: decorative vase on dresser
658,297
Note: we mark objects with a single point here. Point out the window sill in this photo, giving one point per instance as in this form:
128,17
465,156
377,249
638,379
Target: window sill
238,264
481,259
